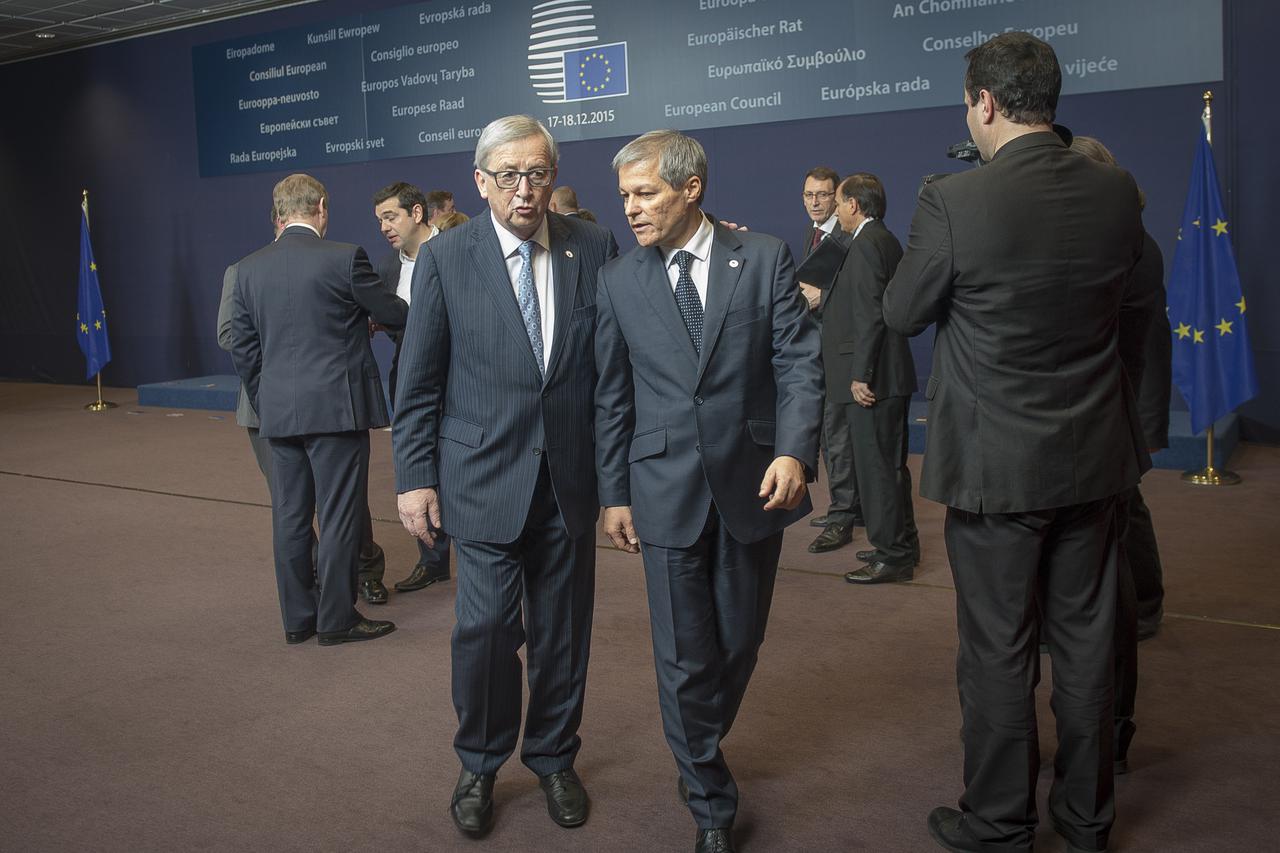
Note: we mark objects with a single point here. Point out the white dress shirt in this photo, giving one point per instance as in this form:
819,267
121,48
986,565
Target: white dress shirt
543,280
858,230
406,275
826,228
699,246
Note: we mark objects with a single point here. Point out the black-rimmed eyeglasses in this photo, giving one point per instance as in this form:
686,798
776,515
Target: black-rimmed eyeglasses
509,179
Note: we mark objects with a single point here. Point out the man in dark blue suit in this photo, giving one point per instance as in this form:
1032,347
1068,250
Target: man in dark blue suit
300,329
708,408
493,444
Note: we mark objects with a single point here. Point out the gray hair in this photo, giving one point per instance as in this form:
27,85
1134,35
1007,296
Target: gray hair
507,129
298,195
679,157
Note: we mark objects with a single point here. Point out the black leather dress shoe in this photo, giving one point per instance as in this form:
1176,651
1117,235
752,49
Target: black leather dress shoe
881,572
818,521
365,629
948,829
716,840
472,804
373,591
422,577
867,556
682,790
295,637
833,537
567,800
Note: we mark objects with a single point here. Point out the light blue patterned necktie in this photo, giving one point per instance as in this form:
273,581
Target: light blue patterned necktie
527,296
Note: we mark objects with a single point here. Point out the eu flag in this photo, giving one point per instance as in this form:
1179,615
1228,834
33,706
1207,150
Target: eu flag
1212,363
599,71
91,318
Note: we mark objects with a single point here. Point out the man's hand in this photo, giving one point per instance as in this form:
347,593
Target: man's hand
811,294
733,226
416,508
783,483
620,530
862,394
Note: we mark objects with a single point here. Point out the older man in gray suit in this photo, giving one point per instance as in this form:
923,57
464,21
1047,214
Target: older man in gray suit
493,444
707,415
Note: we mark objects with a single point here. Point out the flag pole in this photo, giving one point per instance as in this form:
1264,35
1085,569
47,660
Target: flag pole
98,405
1208,475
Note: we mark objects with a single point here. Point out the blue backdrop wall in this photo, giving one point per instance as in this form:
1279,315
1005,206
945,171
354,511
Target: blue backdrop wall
119,120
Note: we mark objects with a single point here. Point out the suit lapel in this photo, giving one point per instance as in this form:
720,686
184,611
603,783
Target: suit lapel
724,271
565,258
486,255
652,278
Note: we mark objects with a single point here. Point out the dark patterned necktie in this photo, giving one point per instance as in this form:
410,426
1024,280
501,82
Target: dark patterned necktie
687,300
817,238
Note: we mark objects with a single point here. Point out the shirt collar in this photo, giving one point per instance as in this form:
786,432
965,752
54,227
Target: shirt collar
511,243
307,225
861,224
830,224
699,245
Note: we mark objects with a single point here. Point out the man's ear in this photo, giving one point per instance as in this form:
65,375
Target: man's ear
693,188
988,107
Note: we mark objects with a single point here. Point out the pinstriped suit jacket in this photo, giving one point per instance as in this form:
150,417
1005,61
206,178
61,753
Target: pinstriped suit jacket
473,415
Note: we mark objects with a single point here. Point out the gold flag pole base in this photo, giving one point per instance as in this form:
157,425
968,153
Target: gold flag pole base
99,405
1211,477
1208,475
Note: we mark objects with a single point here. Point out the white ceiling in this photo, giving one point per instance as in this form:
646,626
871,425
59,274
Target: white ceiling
80,23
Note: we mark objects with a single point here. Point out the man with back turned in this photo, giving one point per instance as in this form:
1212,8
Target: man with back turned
1023,265
300,330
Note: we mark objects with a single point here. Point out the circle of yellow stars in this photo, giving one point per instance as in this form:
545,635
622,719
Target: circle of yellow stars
1224,326
582,72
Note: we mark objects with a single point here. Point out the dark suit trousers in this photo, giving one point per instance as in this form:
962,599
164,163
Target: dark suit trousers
708,607
837,453
551,578
1140,546
325,476
1010,568
878,436
372,561
1126,636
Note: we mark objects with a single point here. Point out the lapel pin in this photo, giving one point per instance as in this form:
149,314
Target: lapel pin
568,254
734,263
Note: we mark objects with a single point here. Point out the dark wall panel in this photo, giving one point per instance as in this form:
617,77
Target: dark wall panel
119,121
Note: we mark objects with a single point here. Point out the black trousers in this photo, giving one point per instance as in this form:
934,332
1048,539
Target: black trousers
708,608
1143,552
372,562
837,453
325,477
538,590
1126,637
1020,578
879,438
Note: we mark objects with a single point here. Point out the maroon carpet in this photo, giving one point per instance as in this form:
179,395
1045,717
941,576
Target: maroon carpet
150,703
